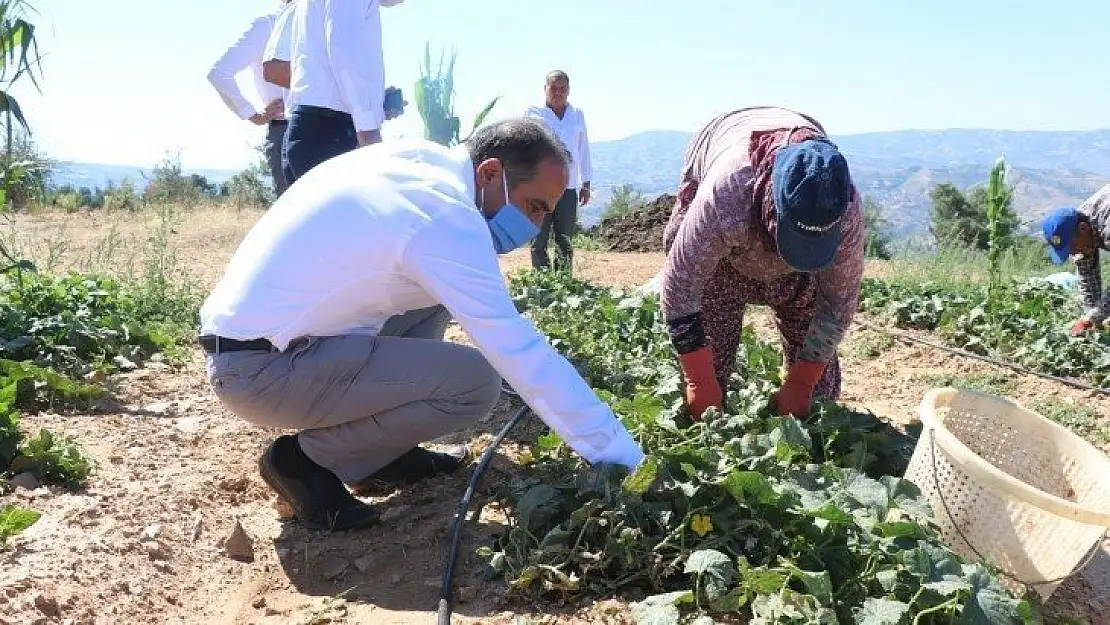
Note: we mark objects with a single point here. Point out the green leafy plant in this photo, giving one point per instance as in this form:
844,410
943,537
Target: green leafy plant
59,339
1028,326
744,513
15,519
435,100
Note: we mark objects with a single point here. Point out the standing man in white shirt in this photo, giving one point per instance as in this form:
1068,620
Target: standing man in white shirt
569,124
330,316
336,82
246,53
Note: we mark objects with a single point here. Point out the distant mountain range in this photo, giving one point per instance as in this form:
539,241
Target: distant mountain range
897,169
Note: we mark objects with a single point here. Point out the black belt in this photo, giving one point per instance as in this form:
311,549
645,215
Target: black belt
279,122
320,111
215,344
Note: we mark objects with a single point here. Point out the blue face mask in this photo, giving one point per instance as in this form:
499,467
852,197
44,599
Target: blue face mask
510,227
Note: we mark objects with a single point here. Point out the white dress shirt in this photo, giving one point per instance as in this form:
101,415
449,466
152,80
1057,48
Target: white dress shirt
389,228
278,45
572,130
335,51
246,53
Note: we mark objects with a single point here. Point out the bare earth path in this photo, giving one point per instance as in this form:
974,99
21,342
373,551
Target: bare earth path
145,542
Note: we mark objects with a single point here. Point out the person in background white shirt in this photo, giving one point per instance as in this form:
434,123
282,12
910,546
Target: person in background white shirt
246,53
276,60
336,81
569,124
330,316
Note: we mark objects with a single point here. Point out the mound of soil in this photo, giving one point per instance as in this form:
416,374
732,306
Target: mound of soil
636,231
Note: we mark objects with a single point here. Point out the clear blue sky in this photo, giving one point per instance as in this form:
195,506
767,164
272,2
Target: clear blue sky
124,80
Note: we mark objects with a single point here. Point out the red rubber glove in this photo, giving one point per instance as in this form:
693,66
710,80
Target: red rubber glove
702,390
795,397
1081,326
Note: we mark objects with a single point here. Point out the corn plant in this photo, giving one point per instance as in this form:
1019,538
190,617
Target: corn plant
435,100
19,57
998,199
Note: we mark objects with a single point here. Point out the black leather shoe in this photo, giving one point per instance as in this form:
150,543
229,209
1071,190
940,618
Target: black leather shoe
412,466
319,500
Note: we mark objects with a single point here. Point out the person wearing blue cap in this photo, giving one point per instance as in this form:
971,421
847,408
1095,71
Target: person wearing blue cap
1081,232
766,213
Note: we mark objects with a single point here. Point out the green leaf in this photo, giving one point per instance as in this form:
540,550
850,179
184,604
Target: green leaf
709,561
661,609
866,491
817,583
655,614
790,430
531,506
881,612
831,512
15,519
949,586
763,581
900,529
887,578
642,478
749,484
989,603
480,118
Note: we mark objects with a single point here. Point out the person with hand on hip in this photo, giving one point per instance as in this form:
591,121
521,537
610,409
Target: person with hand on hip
766,213
569,124
247,54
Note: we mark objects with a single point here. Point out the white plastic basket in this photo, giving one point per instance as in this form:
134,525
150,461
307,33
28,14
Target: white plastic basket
1010,487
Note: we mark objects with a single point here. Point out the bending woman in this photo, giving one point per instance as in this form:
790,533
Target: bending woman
766,214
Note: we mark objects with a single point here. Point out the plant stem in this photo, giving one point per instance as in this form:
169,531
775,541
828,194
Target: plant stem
937,608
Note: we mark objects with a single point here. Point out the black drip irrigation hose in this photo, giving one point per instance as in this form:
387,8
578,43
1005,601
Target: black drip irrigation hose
444,613
966,354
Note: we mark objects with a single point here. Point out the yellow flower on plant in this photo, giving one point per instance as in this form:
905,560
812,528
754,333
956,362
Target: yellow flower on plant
701,524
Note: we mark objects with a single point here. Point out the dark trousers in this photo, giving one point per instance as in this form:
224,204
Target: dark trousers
315,134
563,221
275,142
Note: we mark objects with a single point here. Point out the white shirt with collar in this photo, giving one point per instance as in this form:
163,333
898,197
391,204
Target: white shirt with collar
335,53
389,228
246,54
572,130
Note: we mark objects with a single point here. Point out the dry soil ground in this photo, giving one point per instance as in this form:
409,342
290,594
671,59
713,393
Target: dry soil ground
145,542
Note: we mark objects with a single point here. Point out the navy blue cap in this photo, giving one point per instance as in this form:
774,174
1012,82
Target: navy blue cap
1059,228
811,187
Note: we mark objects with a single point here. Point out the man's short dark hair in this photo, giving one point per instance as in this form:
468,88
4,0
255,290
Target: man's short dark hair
557,75
520,144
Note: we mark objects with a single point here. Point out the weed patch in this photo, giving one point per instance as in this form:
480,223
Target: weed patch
60,338
870,345
994,383
1029,325
1082,420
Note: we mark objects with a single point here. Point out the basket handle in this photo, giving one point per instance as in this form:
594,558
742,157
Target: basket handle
1091,553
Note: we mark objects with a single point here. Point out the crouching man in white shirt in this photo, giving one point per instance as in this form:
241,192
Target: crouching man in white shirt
330,316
